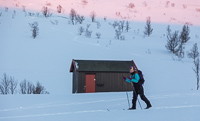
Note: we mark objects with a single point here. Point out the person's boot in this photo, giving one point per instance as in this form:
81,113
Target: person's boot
148,106
132,108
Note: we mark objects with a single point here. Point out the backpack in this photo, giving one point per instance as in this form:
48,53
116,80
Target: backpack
141,80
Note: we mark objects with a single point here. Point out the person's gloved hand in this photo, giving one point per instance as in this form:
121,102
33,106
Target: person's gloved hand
124,77
129,78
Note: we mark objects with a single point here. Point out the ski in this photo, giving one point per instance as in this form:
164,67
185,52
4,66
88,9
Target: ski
114,109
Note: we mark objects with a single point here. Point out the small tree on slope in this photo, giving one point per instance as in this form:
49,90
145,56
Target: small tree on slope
196,70
34,29
194,52
172,42
185,34
148,30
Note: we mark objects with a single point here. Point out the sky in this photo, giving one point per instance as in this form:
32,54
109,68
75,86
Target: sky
186,11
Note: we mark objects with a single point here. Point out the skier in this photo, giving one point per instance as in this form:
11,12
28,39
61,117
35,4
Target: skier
137,88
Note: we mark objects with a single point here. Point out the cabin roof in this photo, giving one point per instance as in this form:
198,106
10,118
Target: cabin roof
101,65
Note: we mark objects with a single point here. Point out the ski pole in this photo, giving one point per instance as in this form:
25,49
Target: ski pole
127,97
126,94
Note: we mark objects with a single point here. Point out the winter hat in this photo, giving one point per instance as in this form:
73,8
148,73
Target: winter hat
132,68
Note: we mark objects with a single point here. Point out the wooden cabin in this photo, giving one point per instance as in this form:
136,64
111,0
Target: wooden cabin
100,75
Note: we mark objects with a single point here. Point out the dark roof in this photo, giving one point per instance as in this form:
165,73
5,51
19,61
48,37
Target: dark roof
101,65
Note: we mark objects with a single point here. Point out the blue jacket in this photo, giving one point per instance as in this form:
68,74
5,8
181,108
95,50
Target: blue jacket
133,78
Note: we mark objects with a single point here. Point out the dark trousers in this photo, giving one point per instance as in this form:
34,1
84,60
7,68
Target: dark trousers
139,91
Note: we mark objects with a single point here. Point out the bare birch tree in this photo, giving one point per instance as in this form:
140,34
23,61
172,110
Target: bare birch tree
194,52
4,85
196,70
148,30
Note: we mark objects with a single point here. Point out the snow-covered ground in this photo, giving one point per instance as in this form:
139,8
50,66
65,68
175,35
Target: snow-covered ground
99,107
170,83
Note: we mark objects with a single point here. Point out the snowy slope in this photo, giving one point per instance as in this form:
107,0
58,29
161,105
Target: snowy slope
99,107
170,84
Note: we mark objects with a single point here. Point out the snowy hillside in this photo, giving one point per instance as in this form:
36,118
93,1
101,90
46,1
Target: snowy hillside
170,83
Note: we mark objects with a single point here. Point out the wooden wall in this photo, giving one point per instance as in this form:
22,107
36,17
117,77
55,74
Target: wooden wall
105,82
111,82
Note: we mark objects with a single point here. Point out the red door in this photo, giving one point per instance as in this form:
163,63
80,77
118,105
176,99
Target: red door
90,83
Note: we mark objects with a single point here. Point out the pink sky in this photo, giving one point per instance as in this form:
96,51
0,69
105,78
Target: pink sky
161,11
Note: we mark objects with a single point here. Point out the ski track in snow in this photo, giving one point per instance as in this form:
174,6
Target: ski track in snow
52,114
61,104
93,111
49,105
182,106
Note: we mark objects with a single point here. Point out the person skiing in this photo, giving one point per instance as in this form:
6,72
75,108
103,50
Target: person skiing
137,88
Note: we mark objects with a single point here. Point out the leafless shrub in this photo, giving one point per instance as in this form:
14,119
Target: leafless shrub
198,9
118,33
122,37
46,11
24,8
75,18
167,4
13,15
131,5
176,42
172,40
8,85
185,34
48,3
80,30
118,14
72,16
98,24
88,33
30,88
93,15
34,29
84,2
17,5
127,26
193,53
105,18
6,9
23,87
39,89
180,50
13,85
88,25
4,85
196,70
79,19
115,24
121,25
27,87
173,4
31,14
59,9
148,30
98,35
